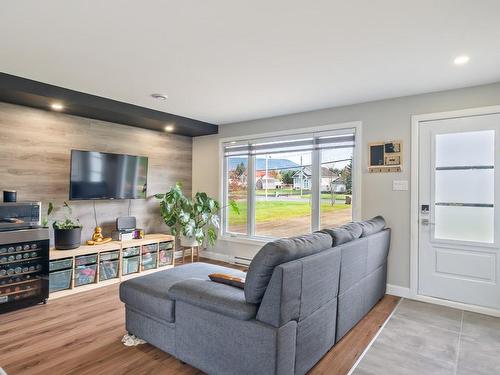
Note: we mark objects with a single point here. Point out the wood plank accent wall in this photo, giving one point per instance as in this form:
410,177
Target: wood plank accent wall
35,150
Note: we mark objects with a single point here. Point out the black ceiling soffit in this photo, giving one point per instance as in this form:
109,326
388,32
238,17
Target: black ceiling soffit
18,90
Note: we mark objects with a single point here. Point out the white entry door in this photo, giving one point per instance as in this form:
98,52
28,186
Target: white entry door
459,221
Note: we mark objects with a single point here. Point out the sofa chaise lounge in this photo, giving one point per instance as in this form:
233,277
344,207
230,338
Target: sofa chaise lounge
301,296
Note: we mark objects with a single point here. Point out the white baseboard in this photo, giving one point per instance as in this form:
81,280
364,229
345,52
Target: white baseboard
398,291
458,305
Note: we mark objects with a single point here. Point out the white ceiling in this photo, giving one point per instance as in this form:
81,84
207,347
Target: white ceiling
224,61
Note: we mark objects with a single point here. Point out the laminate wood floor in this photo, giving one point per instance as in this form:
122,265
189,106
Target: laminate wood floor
81,334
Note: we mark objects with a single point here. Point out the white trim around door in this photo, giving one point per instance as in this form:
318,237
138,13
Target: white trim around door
414,219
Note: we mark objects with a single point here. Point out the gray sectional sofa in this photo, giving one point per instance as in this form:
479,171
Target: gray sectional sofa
301,296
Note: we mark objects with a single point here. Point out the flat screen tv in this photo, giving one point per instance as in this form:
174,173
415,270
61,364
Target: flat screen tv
99,175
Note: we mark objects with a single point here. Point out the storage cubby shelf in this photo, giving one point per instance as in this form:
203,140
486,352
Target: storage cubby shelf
151,239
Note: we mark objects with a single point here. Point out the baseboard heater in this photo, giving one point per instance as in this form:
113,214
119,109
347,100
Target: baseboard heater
242,261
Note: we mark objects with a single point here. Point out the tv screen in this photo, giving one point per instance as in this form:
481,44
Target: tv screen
99,175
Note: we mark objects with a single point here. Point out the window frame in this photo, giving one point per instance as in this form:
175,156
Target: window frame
355,126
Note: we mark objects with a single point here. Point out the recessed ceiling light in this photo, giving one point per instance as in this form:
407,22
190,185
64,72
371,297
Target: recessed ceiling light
159,96
57,106
169,128
461,60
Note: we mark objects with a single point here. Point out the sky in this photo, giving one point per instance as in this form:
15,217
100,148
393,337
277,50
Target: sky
327,156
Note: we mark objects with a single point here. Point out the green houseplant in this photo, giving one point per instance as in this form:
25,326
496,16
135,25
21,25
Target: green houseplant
68,231
196,220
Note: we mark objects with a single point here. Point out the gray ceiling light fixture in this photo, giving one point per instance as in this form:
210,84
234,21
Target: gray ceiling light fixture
159,96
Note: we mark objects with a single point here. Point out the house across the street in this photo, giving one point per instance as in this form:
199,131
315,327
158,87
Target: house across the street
329,180
265,181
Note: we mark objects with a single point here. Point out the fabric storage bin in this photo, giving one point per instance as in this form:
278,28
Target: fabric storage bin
61,264
85,274
112,255
166,257
166,245
108,269
86,259
130,265
60,280
131,251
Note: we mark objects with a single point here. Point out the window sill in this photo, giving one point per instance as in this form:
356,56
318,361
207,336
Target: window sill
245,240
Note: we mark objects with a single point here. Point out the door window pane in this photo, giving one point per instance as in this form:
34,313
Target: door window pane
465,149
237,190
464,223
336,187
283,194
464,178
465,186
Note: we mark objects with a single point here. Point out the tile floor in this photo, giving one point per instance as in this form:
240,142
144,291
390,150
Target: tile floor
421,338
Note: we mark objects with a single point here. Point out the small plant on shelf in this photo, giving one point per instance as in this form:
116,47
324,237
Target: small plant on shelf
67,231
195,220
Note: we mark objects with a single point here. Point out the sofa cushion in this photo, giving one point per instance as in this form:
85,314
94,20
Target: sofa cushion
220,298
372,226
277,252
150,293
345,233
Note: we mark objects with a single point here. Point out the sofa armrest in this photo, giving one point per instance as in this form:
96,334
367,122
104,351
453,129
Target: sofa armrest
220,298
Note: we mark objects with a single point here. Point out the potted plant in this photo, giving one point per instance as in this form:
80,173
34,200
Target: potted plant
67,232
194,220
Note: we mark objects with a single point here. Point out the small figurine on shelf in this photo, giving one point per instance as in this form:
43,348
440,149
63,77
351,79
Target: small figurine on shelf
138,234
97,237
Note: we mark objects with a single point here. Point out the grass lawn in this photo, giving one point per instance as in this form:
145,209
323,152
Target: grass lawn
273,210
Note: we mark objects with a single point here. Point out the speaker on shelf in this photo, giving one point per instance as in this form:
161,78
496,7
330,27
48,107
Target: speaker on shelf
125,223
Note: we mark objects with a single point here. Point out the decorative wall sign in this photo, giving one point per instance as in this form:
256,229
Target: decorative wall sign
385,156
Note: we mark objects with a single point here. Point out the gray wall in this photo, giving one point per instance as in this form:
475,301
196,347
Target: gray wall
35,160
382,120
